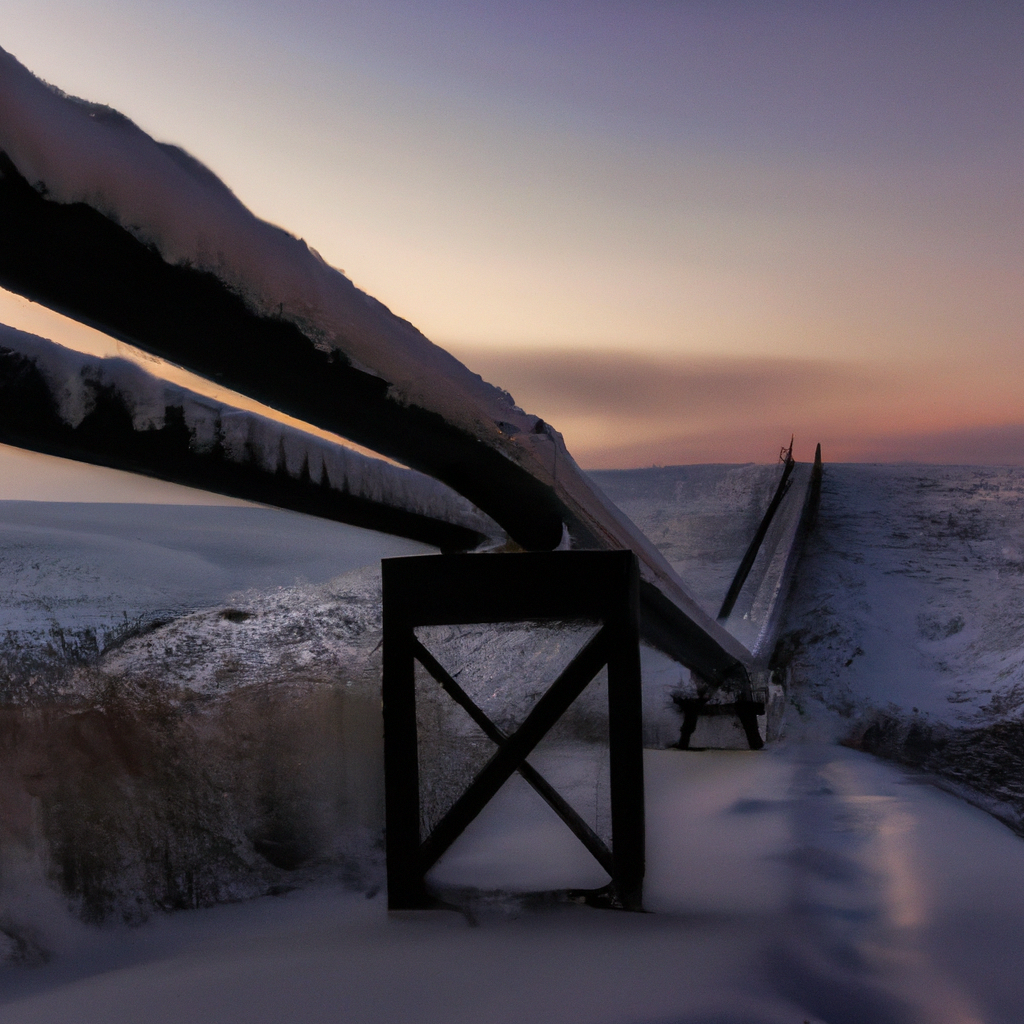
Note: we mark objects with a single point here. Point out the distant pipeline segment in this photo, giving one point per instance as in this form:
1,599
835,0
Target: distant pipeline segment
747,562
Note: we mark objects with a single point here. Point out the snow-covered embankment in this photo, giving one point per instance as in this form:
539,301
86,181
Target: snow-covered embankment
905,631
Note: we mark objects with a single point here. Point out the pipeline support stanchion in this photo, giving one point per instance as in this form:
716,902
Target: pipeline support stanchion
594,586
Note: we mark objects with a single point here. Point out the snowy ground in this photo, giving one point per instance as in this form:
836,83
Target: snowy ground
915,576
91,565
810,883
807,882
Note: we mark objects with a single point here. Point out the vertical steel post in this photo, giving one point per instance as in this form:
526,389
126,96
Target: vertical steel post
625,744
401,764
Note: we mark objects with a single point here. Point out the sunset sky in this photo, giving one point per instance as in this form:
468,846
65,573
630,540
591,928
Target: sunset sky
679,232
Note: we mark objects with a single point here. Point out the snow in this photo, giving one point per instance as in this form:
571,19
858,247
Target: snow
73,569
909,594
805,882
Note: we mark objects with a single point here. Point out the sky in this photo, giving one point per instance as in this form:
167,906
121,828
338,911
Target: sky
680,232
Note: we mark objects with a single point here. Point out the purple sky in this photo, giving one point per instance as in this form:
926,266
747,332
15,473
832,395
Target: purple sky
678,231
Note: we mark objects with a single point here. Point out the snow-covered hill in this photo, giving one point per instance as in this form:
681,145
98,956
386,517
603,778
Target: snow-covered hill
77,577
905,634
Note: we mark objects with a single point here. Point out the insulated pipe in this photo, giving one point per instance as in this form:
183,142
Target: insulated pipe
111,412
140,240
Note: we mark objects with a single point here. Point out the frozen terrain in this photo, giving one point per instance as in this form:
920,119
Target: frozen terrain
910,592
234,750
809,883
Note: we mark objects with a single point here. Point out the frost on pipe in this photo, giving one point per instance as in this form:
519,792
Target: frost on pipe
111,412
139,239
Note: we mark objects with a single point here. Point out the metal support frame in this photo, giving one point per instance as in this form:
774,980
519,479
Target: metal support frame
595,586
746,711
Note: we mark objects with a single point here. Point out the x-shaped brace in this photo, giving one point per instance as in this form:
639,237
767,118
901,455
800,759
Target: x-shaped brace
510,757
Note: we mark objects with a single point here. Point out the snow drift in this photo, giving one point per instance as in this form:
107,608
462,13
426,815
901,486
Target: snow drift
904,633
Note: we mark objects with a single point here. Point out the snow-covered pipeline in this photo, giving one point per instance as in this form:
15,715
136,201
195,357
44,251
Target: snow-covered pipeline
113,412
138,238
